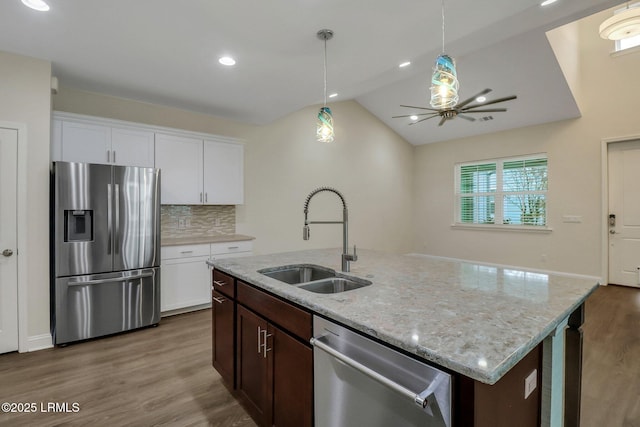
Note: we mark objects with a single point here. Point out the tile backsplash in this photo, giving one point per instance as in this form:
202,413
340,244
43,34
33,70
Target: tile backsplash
196,221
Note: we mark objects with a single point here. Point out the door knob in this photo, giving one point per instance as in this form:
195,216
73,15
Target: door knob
7,252
612,231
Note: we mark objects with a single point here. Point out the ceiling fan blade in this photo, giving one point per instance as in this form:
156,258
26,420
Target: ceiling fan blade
495,101
422,120
409,115
420,108
466,101
462,116
485,110
442,120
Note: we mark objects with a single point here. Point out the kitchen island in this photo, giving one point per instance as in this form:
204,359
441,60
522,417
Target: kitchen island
476,320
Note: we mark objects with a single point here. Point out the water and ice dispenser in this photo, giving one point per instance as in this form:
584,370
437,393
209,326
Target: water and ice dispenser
78,225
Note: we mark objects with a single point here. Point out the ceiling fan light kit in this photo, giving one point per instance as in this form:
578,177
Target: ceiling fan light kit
324,124
622,25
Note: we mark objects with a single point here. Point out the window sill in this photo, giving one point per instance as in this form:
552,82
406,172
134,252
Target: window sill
634,49
502,227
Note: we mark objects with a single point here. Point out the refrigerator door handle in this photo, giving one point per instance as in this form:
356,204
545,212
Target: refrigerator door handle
115,279
109,219
116,236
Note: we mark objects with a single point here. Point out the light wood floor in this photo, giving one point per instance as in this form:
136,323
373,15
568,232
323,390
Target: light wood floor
155,376
163,375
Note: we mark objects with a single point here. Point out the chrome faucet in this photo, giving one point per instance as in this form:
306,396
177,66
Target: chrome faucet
306,232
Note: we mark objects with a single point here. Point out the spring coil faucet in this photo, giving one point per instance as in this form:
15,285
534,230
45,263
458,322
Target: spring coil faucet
306,231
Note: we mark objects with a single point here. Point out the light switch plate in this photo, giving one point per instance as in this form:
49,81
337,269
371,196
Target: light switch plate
530,383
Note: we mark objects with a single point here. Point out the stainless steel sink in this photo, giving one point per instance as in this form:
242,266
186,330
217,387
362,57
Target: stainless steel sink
334,285
314,278
295,274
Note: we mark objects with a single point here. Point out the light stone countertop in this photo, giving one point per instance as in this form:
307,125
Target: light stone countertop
477,320
197,240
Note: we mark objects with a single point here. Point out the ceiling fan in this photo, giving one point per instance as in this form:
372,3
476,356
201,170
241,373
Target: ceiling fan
459,110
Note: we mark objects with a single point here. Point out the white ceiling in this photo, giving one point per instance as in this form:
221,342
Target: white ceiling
166,51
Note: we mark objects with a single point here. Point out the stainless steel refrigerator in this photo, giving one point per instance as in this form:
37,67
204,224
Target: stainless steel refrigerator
105,250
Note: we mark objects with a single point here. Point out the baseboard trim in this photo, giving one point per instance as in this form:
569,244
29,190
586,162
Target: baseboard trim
39,342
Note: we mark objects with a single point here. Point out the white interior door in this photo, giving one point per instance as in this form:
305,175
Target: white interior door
8,240
624,213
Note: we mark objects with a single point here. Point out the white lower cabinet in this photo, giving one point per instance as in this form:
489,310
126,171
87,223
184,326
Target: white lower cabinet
186,279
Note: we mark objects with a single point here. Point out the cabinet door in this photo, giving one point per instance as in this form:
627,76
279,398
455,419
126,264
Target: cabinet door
185,283
131,147
223,336
83,142
223,173
254,365
292,381
180,160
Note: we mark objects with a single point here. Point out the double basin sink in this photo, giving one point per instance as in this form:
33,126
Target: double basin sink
314,278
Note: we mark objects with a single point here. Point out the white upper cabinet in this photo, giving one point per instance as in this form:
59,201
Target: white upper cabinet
196,168
132,147
180,162
85,140
223,173
196,171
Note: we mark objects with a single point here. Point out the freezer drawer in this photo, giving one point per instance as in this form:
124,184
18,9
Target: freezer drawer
102,304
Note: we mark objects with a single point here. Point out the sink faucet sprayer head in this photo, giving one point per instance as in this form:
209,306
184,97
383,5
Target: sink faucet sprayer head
306,232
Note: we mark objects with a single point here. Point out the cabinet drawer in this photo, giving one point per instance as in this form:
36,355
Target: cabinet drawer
184,251
289,317
224,284
231,247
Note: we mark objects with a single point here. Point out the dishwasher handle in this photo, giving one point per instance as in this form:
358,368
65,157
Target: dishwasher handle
421,399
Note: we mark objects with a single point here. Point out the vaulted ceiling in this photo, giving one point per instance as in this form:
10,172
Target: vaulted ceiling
166,52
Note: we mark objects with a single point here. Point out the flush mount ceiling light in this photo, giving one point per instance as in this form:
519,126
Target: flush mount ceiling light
38,5
622,25
324,125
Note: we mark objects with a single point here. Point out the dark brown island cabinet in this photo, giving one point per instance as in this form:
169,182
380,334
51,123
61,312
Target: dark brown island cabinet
262,350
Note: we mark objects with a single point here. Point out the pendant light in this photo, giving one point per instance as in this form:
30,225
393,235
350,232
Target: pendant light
622,24
444,80
324,128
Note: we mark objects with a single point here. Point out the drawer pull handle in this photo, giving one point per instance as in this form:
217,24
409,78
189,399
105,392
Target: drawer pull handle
219,300
233,247
186,252
219,283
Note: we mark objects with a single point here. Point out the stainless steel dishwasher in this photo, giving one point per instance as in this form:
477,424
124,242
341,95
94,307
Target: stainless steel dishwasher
359,382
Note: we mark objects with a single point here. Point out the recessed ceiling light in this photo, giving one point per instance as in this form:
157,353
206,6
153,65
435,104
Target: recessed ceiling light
547,2
414,118
333,95
405,64
39,5
481,98
227,60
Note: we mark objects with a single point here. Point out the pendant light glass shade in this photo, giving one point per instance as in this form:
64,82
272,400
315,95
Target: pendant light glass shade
324,130
444,83
622,25
324,124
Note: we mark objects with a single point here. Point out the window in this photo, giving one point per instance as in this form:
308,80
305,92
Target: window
629,42
505,192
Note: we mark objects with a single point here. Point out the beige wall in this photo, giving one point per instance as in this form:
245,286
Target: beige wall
607,91
370,164
25,99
